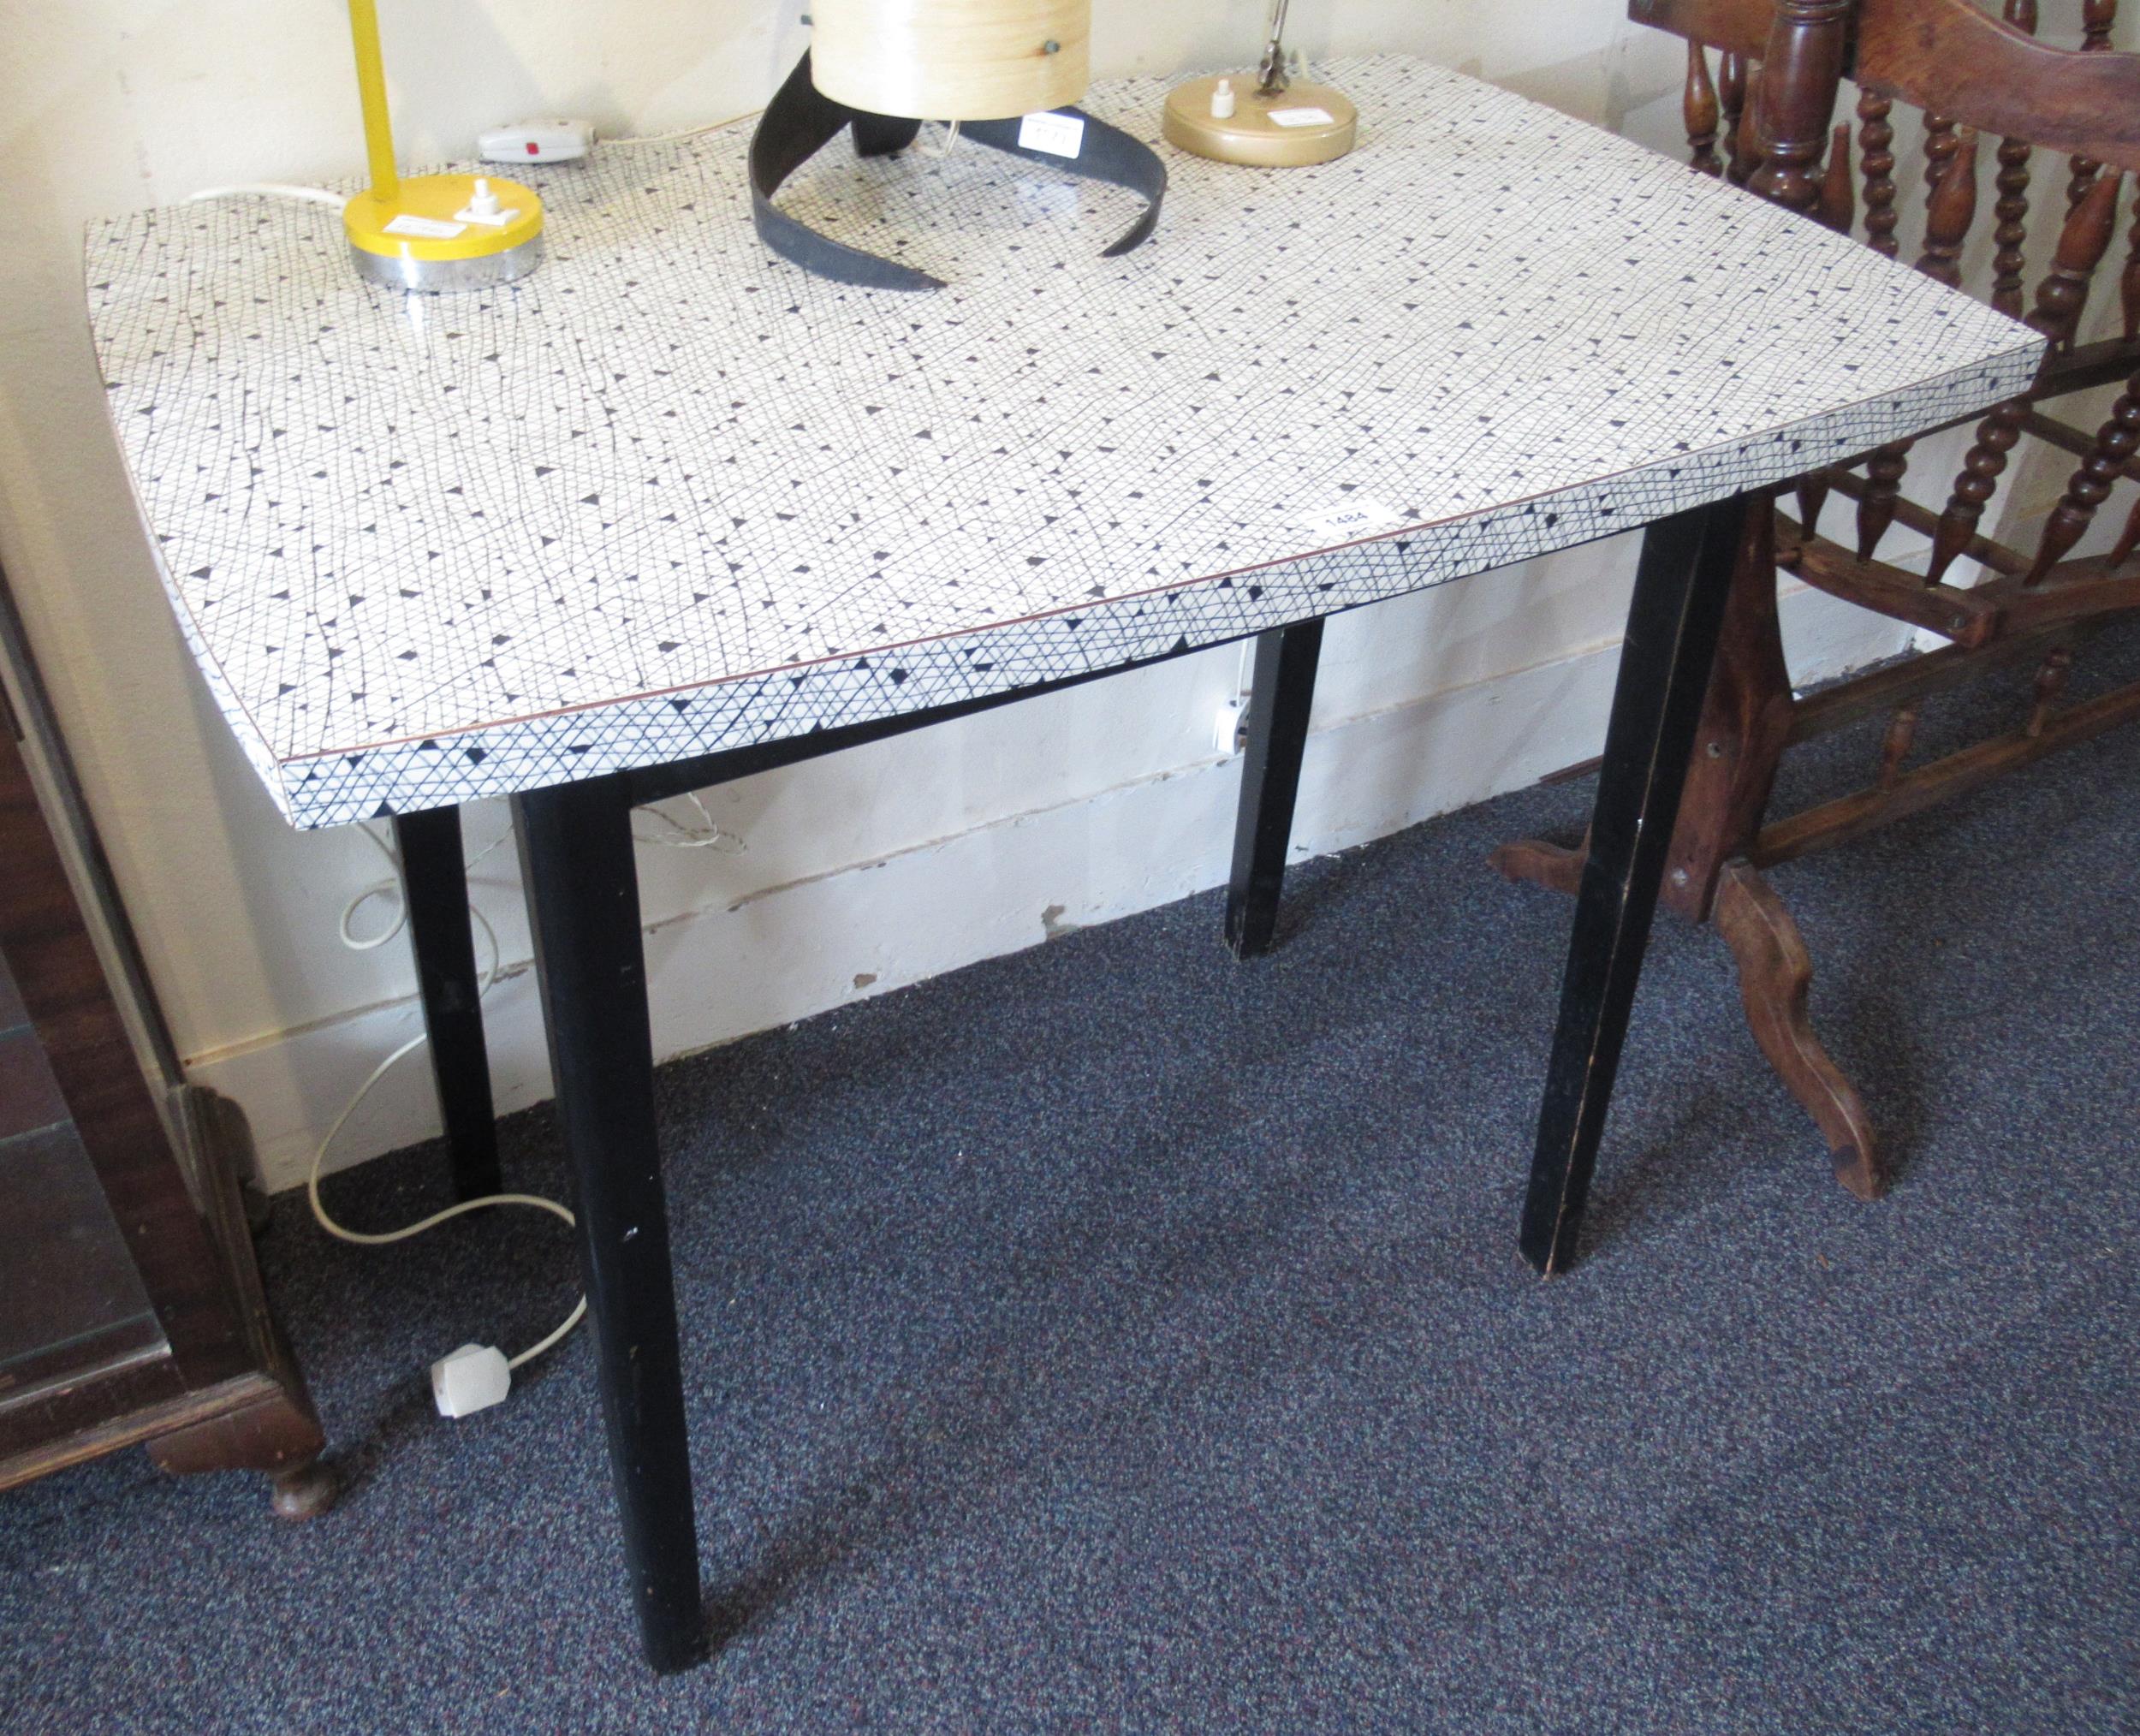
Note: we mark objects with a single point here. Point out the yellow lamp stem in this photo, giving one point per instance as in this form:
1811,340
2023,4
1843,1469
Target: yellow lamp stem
378,128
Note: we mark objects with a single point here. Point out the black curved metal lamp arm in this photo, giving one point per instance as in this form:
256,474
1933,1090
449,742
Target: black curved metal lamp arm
798,123
802,121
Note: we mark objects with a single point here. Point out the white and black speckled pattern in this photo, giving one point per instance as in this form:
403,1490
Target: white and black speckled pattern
672,495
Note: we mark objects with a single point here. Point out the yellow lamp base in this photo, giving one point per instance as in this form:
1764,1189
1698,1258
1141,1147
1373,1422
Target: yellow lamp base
1305,124
441,233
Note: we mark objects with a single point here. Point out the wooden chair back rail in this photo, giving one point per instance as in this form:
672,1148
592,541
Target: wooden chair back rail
1948,58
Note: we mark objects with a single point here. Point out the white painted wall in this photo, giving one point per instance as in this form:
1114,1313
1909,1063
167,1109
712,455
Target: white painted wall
856,875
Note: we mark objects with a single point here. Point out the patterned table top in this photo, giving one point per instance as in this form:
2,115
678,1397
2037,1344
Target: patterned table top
671,495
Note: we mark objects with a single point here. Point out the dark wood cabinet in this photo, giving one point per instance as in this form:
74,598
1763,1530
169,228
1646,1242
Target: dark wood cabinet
131,1310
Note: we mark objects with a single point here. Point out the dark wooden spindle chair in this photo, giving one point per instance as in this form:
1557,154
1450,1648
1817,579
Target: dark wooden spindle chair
1772,98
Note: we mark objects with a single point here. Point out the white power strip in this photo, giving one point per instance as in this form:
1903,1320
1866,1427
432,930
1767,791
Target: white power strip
537,141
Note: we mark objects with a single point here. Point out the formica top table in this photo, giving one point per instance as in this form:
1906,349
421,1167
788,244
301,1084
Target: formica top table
671,496
671,510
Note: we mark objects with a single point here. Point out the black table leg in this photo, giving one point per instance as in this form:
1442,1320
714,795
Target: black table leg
1664,670
434,882
1281,693
576,844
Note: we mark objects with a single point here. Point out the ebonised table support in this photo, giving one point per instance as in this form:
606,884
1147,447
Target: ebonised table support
583,899
435,886
1673,625
1280,696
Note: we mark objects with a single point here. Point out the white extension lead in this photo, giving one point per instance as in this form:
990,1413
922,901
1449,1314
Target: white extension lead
476,1375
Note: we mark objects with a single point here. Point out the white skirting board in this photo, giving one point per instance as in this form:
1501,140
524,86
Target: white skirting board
788,952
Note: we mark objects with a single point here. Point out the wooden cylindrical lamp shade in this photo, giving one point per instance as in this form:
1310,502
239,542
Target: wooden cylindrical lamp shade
952,60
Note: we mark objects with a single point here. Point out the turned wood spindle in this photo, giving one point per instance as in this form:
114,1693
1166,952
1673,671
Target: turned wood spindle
1945,229
1876,149
1940,146
2089,229
1731,94
2129,285
2009,264
1837,207
1895,745
1884,471
2116,441
1697,107
2050,686
2128,538
1751,150
2011,236
2098,17
1813,490
1953,208
1796,95
2059,298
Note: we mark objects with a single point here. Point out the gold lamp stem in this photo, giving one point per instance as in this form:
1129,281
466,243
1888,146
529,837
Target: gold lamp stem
378,129
1271,76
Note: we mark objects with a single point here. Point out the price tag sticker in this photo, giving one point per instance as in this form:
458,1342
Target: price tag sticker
1059,135
423,227
1302,117
1357,518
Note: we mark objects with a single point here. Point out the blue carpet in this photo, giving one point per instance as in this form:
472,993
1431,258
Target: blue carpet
1113,1337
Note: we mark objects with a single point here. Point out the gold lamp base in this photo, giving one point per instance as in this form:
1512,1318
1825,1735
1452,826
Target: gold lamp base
1302,124
439,233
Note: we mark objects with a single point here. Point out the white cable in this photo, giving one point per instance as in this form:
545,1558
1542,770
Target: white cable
391,888
378,889
687,838
601,138
710,837
272,189
380,1238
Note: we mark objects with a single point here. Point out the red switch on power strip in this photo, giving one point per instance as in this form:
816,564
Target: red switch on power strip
537,141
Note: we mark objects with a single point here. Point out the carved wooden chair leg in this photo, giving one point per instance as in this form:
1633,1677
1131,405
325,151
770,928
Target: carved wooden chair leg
1746,722
1775,971
1554,866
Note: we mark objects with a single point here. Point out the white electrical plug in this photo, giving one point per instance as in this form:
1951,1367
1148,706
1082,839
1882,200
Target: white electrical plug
473,1378
537,141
